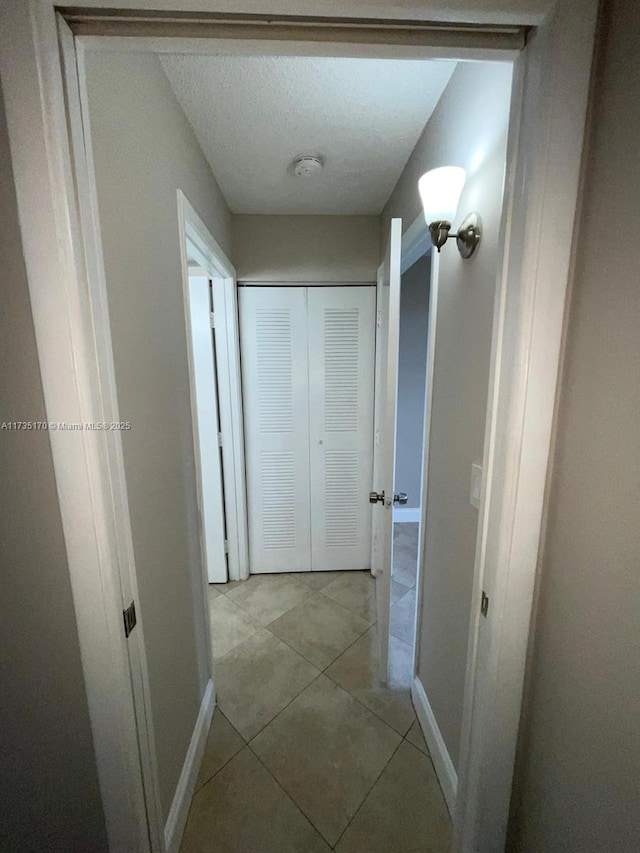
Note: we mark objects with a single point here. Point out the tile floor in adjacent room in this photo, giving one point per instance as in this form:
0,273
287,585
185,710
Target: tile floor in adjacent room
307,752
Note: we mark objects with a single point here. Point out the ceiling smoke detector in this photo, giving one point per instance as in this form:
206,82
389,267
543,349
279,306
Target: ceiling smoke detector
307,166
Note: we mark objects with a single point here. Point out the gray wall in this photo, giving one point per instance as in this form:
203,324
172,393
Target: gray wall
50,797
144,151
468,128
306,248
412,367
577,785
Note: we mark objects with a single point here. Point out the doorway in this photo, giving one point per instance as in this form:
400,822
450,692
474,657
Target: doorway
255,619
545,47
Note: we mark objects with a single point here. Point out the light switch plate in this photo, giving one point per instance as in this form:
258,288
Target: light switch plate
476,485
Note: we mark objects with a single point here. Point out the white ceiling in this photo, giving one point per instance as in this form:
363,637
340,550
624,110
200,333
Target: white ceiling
253,115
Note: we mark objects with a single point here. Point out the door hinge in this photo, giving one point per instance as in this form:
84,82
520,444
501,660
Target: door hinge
129,618
219,439
212,317
226,546
484,603
379,319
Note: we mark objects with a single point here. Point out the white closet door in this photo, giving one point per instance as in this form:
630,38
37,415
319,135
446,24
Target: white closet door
341,361
273,345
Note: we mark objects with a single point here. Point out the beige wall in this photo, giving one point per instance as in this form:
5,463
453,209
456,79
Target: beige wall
49,789
577,783
306,248
468,128
144,151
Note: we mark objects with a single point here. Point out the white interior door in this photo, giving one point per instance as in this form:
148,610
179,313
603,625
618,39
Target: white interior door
341,323
275,380
388,292
206,404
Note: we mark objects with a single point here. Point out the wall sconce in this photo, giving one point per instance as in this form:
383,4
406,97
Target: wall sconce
440,191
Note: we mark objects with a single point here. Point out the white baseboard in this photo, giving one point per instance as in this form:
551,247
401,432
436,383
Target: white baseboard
174,827
442,763
402,514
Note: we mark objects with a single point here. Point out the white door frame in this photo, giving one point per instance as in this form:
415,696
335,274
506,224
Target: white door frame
384,426
225,307
416,243
68,302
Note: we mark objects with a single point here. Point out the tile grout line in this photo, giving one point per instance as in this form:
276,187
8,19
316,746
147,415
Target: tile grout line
336,684
238,604
311,591
290,798
248,743
339,655
367,708
313,680
284,708
384,722
244,743
320,671
366,796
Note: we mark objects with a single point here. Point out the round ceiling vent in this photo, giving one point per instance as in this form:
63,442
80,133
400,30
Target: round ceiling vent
307,166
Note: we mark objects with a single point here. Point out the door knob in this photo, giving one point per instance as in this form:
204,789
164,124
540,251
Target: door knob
400,498
375,498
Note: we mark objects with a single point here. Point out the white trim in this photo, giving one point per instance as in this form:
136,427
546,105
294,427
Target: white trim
232,423
416,243
546,137
406,514
428,408
385,417
215,262
529,12
80,130
277,283
442,763
72,336
76,365
211,519
174,827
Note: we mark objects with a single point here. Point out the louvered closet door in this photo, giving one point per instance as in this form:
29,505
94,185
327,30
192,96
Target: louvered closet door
273,341
341,365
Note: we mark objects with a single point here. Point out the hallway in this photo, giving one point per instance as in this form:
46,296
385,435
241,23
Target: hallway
306,751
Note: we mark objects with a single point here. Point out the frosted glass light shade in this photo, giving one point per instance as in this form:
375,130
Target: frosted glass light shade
440,191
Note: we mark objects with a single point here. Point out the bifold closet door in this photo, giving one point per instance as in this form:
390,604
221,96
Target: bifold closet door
341,370
273,340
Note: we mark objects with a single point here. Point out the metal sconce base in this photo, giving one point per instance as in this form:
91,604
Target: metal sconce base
469,234
467,238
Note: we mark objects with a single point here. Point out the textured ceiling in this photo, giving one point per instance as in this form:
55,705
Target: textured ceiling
254,115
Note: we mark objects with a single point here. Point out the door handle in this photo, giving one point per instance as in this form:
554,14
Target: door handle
400,498
375,498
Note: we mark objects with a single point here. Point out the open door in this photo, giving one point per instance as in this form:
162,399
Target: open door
205,397
386,390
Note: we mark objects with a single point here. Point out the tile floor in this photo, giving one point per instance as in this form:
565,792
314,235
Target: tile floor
307,752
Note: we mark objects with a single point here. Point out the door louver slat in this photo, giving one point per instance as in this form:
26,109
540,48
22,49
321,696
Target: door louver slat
341,368
274,359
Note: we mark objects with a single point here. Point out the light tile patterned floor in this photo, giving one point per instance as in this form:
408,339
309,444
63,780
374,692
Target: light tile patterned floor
307,751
